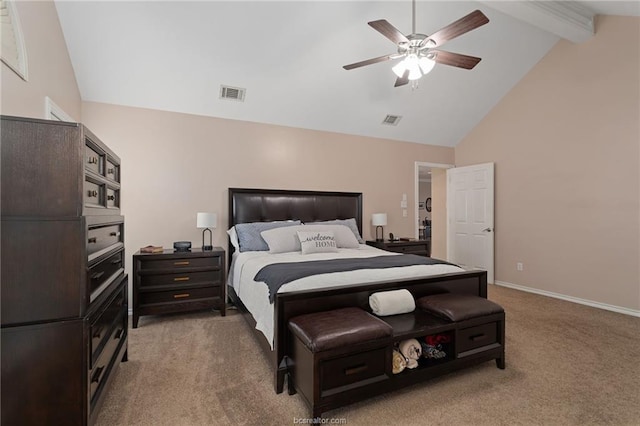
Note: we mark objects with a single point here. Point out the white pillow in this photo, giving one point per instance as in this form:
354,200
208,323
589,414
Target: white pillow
283,240
317,242
233,237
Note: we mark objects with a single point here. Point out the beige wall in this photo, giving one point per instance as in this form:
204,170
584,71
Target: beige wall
49,68
175,165
566,142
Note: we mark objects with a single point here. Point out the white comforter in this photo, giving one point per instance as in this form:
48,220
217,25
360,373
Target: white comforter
255,295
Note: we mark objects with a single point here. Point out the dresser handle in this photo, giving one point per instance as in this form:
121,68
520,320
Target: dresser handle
355,370
97,333
92,240
114,234
109,171
181,279
92,160
92,193
186,262
111,197
118,334
97,275
96,375
180,296
477,337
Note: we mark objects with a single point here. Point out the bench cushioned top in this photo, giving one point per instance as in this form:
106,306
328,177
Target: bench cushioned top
458,307
321,331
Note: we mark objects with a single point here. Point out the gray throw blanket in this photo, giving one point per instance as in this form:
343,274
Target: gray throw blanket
278,274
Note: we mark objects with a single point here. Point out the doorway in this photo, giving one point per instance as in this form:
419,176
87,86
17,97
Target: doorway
430,182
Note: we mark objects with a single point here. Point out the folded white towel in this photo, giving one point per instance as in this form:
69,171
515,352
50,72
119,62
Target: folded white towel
392,302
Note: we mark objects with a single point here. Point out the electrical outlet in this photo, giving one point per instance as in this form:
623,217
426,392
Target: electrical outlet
404,213
519,266
403,204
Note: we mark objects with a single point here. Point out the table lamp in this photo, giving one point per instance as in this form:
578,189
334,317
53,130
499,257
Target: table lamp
207,221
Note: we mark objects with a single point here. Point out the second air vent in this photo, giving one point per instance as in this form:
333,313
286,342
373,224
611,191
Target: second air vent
232,93
391,120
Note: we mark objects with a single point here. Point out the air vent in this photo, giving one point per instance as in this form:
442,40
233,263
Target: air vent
391,120
232,93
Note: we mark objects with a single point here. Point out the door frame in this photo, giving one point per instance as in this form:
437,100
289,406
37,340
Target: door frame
416,180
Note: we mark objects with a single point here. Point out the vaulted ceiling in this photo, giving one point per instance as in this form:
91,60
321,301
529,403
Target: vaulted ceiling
289,55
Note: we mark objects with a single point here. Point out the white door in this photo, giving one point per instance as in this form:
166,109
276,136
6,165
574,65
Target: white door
470,217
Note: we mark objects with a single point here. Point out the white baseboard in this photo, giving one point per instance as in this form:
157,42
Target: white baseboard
599,305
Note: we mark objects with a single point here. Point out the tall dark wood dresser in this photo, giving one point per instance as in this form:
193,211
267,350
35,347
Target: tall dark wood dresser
63,290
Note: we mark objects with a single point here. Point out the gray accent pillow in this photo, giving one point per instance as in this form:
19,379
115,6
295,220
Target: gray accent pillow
249,238
350,223
317,242
284,240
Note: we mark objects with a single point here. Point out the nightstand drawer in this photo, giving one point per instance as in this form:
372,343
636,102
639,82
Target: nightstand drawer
352,369
180,295
409,249
192,262
180,278
477,337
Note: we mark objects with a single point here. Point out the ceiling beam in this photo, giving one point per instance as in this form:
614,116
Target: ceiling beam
569,20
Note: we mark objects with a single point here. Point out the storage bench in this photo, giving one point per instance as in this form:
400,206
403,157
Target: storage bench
345,355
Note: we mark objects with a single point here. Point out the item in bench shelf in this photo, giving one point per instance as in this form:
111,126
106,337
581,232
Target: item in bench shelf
392,302
432,346
399,363
411,350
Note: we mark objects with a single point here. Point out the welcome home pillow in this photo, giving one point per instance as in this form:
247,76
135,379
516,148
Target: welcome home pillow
317,242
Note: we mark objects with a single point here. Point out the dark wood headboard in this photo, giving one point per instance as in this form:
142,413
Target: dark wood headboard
265,205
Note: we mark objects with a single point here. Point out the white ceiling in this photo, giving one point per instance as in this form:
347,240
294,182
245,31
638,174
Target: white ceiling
289,55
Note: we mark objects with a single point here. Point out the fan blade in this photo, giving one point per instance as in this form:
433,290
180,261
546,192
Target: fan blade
455,59
369,61
401,81
389,31
463,25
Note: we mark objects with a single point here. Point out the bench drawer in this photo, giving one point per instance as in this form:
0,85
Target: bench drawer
352,369
477,336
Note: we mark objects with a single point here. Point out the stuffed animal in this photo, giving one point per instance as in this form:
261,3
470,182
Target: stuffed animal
411,350
399,363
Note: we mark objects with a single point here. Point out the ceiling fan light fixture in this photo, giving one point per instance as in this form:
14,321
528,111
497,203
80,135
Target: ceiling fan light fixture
399,68
426,65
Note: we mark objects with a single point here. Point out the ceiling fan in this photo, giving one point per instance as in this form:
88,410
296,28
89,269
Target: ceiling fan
419,50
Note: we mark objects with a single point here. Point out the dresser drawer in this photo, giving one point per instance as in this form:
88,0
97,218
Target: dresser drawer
184,278
410,249
94,193
113,171
104,363
113,198
176,264
179,295
102,238
112,317
101,273
94,160
352,369
477,336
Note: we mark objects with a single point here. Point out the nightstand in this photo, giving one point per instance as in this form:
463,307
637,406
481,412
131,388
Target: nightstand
419,247
175,281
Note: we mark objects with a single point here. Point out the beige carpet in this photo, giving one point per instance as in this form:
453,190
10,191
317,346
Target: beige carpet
567,364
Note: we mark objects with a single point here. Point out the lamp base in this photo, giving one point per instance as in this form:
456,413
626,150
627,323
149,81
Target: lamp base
381,238
207,248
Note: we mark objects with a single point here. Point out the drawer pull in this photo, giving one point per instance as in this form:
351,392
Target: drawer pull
97,333
92,240
477,337
109,171
355,370
97,275
180,296
116,261
186,262
92,193
181,279
114,234
92,160
118,334
111,197
96,375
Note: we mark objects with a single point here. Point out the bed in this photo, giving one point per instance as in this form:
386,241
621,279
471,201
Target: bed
266,205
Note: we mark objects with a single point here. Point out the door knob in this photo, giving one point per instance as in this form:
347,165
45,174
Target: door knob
486,230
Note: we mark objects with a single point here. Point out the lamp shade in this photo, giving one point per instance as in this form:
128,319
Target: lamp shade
207,220
379,219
